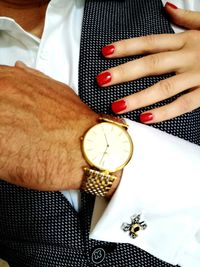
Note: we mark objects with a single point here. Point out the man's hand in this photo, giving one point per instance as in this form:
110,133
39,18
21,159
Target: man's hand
165,53
41,122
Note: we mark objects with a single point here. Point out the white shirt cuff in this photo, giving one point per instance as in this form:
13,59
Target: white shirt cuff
161,183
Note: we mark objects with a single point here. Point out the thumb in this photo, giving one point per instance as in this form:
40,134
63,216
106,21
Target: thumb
20,64
182,17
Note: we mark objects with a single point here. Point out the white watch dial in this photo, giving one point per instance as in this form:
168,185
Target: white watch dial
107,146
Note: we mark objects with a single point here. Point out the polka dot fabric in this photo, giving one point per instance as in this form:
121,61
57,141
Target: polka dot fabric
41,229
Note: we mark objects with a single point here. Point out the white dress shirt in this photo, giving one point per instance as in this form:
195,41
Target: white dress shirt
169,204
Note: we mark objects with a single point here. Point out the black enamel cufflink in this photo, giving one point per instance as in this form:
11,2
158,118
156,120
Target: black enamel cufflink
134,227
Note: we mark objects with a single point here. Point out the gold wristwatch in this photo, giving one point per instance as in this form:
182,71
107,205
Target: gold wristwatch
107,148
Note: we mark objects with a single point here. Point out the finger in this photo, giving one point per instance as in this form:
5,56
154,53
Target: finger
185,103
144,45
20,64
182,17
158,92
155,64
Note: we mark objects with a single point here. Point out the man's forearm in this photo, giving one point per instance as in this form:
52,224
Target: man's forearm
42,121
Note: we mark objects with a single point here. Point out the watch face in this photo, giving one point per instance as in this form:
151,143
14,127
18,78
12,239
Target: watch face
107,146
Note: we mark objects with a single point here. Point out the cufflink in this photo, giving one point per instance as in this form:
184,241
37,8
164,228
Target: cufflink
134,227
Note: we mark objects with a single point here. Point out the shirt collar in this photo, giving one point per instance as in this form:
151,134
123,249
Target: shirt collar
9,25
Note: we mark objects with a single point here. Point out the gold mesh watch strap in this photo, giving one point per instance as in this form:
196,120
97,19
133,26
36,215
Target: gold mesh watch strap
97,183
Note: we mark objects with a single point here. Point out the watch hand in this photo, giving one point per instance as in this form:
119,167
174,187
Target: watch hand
105,137
105,152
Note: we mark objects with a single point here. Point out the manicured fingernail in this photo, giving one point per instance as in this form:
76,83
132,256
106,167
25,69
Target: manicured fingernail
168,4
104,78
119,106
108,50
146,117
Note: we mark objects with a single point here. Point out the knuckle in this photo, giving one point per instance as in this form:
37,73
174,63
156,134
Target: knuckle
194,57
120,71
150,40
186,12
193,34
122,48
152,61
166,88
183,16
192,46
184,104
123,45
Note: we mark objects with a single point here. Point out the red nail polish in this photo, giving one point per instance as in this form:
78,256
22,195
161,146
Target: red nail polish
119,106
104,78
108,50
168,4
146,117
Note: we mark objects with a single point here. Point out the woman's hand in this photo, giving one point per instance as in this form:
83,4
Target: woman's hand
166,53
